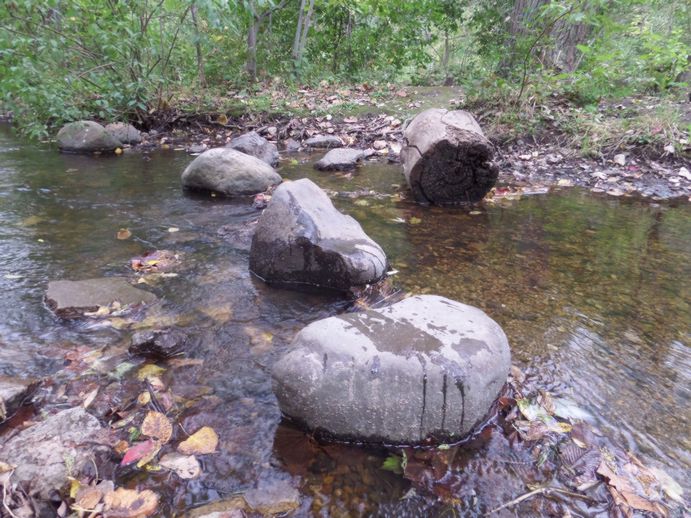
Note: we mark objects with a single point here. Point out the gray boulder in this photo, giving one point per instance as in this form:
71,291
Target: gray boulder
340,159
125,133
301,239
230,172
13,393
86,137
425,366
255,145
72,299
46,453
324,141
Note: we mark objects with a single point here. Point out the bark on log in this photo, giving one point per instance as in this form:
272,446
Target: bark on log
446,158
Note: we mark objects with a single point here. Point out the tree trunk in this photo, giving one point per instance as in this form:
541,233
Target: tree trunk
446,158
252,47
305,31
298,32
198,47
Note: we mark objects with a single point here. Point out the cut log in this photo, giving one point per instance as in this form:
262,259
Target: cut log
446,158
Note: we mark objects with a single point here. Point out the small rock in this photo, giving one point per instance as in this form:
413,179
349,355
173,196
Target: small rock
14,392
379,144
158,343
255,145
324,141
302,240
86,137
340,159
44,452
272,497
620,159
125,133
195,149
291,145
684,173
228,508
72,299
230,172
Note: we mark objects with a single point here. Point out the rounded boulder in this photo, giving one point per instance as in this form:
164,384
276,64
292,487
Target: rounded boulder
230,172
424,367
86,137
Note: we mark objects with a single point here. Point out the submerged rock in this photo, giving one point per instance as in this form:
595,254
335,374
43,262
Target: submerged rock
272,497
324,141
14,392
425,366
291,145
257,146
301,239
86,137
158,343
229,172
125,133
72,299
340,159
46,453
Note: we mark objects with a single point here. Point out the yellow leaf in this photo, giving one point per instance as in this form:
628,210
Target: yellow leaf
202,441
149,371
415,221
144,398
130,503
158,426
74,487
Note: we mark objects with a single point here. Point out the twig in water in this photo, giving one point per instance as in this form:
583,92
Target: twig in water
540,491
4,497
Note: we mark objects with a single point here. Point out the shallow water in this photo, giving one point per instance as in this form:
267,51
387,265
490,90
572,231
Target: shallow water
592,292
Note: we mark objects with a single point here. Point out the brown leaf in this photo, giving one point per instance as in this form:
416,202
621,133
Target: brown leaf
186,466
158,426
130,503
202,441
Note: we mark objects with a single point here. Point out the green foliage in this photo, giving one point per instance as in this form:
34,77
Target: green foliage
62,60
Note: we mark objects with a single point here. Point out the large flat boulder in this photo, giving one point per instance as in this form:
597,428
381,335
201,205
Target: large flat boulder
125,133
230,172
72,299
425,366
340,159
301,239
14,392
254,144
45,454
86,137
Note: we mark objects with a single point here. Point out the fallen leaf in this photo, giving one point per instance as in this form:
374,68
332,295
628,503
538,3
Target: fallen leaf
201,442
124,233
620,159
173,229
185,466
130,503
414,221
141,450
89,398
149,371
158,426
144,398
670,486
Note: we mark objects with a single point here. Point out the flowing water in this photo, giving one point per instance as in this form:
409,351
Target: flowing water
592,292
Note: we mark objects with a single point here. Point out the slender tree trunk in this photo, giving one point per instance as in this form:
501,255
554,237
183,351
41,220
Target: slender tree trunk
198,47
305,31
445,56
252,48
298,32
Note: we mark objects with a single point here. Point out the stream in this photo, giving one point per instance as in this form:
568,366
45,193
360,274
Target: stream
592,292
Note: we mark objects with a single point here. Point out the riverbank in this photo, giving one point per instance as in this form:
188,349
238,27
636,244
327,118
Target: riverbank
637,147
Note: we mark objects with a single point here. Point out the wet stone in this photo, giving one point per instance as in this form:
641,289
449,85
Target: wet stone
86,137
272,497
73,299
42,452
302,240
230,172
14,392
159,343
424,367
324,141
340,159
291,145
125,133
254,144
